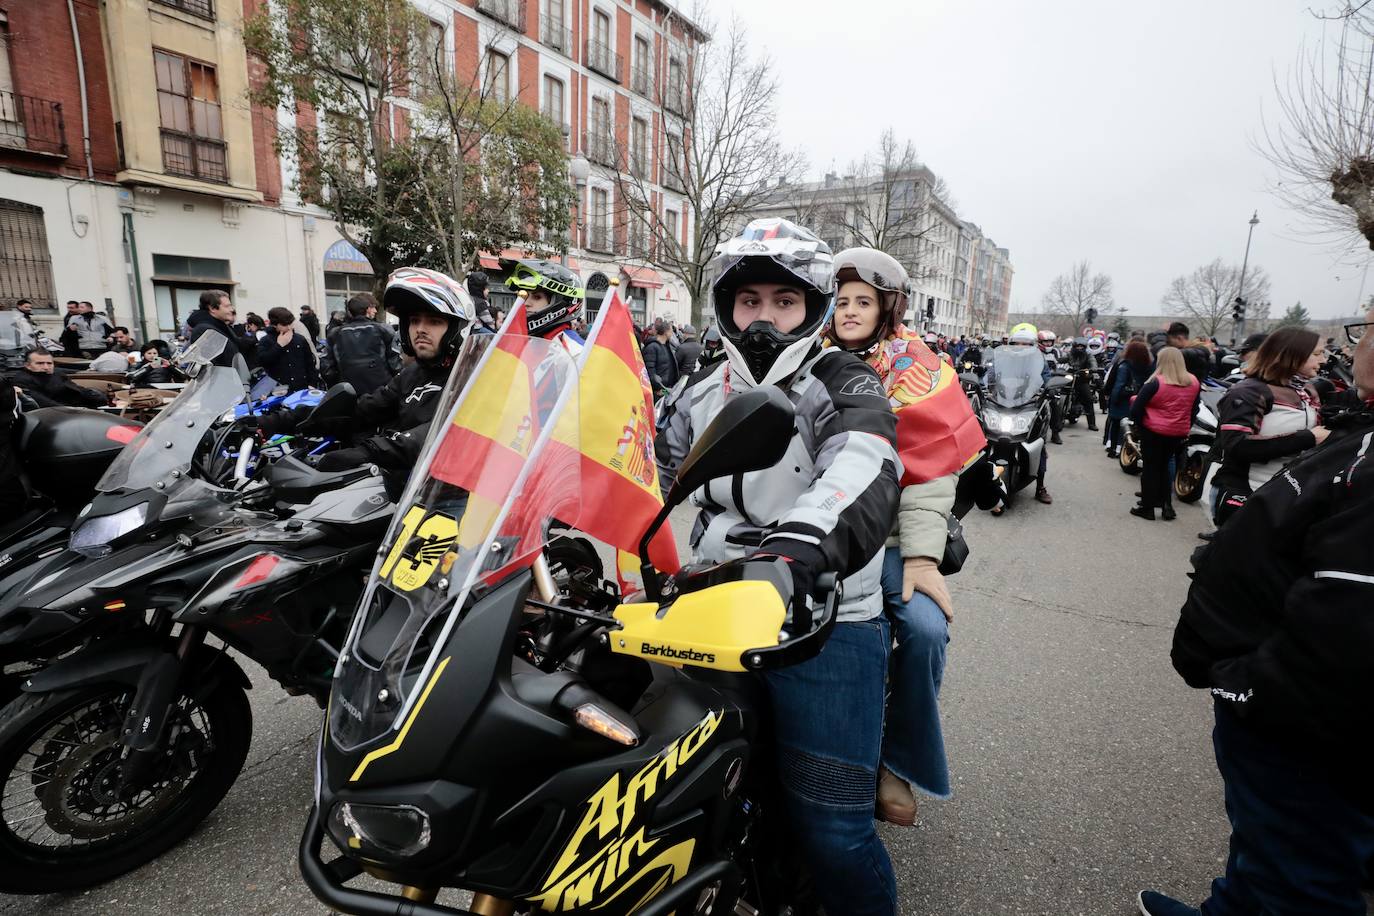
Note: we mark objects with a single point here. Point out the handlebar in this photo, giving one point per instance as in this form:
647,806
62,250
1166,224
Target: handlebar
808,646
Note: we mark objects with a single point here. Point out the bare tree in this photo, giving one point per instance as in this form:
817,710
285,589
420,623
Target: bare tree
1204,297
1070,295
722,158
1322,145
418,164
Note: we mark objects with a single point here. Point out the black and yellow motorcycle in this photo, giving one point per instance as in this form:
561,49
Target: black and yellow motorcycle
548,755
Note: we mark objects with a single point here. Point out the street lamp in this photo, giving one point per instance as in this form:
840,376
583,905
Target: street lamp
1238,329
579,169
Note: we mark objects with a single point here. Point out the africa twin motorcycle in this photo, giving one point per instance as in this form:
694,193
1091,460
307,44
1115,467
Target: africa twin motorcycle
551,756
137,725
1016,415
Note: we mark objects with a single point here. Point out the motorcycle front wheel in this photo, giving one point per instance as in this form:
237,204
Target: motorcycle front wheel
66,821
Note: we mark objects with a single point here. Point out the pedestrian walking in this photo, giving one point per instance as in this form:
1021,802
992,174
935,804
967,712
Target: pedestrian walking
1163,411
1130,375
1266,419
1277,628
285,354
362,352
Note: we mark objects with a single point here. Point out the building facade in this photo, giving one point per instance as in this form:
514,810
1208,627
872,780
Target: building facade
138,179
960,280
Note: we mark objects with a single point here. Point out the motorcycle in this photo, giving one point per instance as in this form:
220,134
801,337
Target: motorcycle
1191,472
602,758
1016,416
133,727
1072,405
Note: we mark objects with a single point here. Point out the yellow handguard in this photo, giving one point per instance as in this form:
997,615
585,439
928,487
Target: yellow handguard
712,628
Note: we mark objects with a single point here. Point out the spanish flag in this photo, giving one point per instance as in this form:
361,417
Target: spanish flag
615,436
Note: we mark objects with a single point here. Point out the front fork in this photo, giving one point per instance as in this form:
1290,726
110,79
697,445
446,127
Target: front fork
145,723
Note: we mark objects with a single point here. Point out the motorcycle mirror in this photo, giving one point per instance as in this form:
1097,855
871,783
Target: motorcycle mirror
750,433
338,402
1057,381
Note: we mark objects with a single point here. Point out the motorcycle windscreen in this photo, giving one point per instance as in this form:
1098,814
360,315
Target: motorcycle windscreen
168,442
1016,376
501,462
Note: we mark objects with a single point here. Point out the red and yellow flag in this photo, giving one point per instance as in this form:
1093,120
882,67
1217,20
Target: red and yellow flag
615,436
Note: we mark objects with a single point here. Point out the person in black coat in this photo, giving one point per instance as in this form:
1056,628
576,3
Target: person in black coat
47,388
287,356
1277,629
362,352
659,359
311,322
216,316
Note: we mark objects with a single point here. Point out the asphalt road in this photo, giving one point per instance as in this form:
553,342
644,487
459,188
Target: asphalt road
1081,763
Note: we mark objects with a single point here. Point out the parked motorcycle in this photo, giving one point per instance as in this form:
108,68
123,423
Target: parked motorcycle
1073,407
1191,472
546,754
136,726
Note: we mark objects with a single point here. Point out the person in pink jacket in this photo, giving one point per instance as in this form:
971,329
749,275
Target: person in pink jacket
1163,412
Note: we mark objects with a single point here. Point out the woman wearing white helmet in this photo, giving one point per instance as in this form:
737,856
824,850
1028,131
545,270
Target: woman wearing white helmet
937,436
826,507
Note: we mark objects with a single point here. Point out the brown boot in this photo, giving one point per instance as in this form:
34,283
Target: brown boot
896,804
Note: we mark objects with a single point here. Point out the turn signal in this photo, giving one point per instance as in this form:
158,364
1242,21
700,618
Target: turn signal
595,719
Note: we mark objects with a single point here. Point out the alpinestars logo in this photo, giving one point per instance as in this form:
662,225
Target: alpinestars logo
418,394
686,655
861,386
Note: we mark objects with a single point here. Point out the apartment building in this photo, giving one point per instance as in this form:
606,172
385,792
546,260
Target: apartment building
941,252
171,185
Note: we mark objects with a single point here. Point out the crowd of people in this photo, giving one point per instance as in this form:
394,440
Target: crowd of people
1274,626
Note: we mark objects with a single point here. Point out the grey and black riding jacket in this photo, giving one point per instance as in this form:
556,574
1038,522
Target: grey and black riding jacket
829,502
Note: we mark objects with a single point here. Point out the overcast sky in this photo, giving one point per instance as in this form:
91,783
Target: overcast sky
1123,133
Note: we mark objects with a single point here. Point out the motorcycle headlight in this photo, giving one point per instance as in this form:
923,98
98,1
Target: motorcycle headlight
392,830
94,535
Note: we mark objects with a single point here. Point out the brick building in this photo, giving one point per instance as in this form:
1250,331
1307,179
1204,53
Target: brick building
183,190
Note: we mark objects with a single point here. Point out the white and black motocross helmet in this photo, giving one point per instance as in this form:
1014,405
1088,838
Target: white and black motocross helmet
412,289
772,251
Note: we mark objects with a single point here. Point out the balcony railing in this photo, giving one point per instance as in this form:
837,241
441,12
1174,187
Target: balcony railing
511,12
195,157
599,146
675,97
205,9
32,124
642,81
599,238
603,60
553,35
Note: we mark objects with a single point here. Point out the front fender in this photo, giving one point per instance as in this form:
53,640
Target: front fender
124,664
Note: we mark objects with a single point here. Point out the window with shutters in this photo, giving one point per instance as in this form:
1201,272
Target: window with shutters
25,264
553,102
600,236
639,148
431,60
189,109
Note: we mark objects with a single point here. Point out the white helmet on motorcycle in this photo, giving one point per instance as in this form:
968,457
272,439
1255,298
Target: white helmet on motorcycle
1094,346
1023,334
415,289
781,252
1047,339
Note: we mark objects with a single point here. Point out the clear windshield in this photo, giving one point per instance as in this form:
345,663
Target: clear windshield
1016,376
168,443
503,462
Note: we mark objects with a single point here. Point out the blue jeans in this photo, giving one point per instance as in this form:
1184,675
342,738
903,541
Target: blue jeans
914,744
1299,843
828,716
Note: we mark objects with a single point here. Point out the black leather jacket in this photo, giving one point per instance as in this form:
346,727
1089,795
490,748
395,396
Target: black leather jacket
363,353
